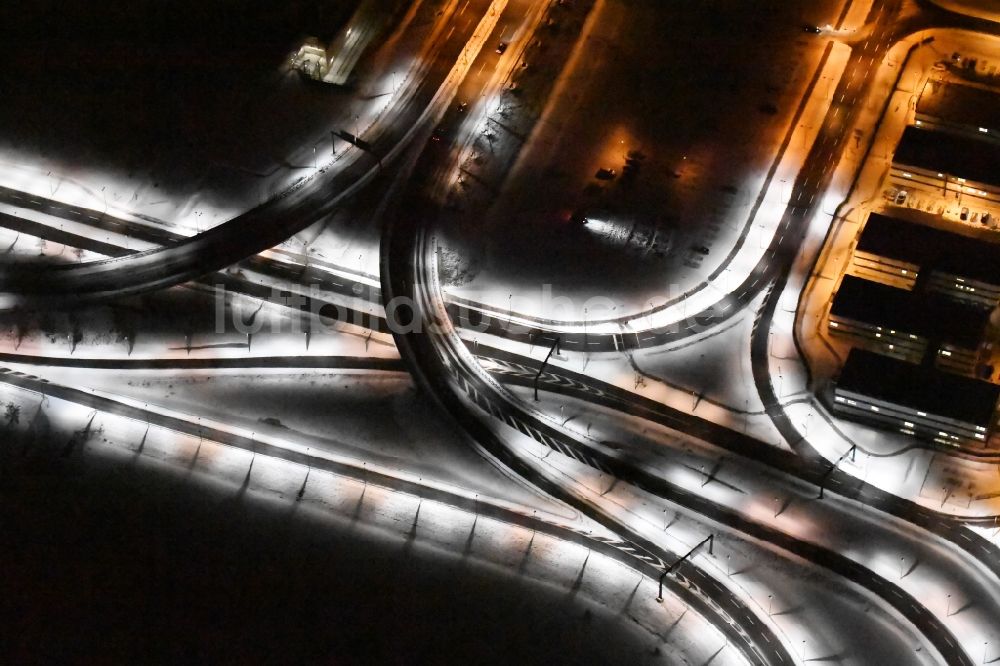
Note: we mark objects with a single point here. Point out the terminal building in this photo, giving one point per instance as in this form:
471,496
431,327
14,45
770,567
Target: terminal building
917,400
917,257
960,108
335,62
961,166
908,326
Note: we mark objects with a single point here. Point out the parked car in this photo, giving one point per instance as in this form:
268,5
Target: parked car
501,47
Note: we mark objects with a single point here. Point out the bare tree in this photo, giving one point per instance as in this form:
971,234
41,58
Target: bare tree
12,414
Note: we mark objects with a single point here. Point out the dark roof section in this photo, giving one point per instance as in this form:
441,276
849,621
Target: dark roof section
936,318
931,249
951,154
961,104
919,387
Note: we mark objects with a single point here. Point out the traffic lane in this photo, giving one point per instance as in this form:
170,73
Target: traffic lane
403,274
868,535
306,274
458,127
846,485
805,464
25,226
482,506
308,304
813,179
752,634
625,469
188,363
511,30
247,234
808,466
98,220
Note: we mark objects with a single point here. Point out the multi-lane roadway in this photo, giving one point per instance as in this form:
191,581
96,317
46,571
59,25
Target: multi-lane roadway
440,360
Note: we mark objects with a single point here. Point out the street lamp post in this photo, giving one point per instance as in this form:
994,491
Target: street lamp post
710,540
826,475
555,345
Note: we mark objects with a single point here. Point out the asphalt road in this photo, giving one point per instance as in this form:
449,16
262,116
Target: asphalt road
446,371
187,258
254,231
424,354
615,549
803,464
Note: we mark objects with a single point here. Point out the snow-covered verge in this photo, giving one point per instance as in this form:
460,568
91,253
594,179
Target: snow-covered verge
138,544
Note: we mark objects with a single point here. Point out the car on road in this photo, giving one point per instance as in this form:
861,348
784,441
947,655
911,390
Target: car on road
901,197
462,107
502,47
605,174
700,249
814,29
438,134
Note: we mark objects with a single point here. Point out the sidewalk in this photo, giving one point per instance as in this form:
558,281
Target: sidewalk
931,570
891,461
474,536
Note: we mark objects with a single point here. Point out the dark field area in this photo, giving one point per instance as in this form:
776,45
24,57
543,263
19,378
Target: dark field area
170,91
113,563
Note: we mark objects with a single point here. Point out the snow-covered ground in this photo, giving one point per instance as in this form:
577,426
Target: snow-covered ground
377,417
889,460
701,164
186,323
16,246
708,376
211,542
834,616
200,149
961,594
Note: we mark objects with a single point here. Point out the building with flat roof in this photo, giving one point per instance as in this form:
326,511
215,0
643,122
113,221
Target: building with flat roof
914,256
917,400
959,165
962,108
336,62
907,325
